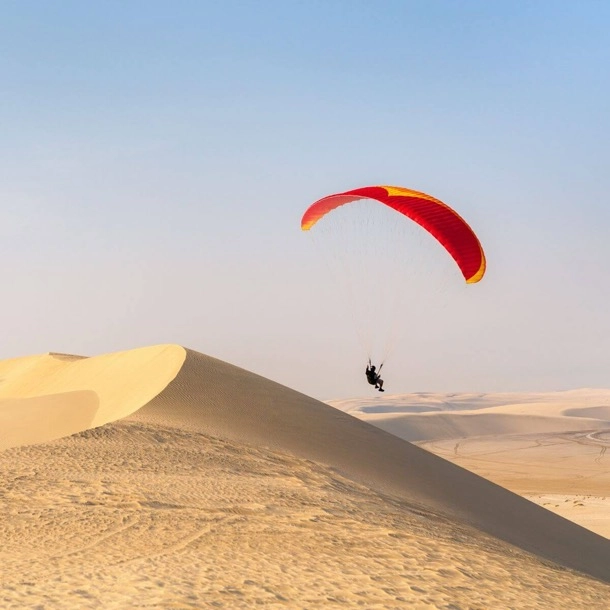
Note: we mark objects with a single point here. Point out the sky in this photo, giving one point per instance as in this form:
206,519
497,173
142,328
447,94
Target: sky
157,158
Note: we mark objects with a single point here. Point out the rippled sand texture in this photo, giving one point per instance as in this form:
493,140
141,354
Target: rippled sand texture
133,515
213,487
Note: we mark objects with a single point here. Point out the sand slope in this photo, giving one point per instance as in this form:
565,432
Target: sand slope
216,398
136,515
216,486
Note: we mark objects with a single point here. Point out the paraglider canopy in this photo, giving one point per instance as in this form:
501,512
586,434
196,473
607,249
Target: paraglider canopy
436,217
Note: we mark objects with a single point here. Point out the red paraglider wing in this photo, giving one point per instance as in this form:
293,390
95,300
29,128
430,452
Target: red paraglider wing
433,215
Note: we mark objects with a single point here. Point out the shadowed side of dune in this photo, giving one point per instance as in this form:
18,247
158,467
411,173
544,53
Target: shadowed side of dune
601,412
216,398
443,426
26,421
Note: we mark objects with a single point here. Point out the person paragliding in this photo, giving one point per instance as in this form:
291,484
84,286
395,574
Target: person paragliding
373,376
434,216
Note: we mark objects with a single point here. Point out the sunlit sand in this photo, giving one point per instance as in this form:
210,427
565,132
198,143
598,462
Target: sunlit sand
163,478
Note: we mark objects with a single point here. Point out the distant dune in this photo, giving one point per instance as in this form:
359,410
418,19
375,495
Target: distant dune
168,402
451,425
429,417
550,447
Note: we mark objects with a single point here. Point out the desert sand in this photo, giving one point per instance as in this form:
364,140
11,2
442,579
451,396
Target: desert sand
163,478
549,447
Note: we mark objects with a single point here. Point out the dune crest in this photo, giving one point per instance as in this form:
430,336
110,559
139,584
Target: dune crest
212,397
51,395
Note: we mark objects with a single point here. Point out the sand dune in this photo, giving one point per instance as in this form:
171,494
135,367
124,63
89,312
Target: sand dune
213,397
81,392
549,447
136,515
600,412
443,426
215,485
540,403
429,417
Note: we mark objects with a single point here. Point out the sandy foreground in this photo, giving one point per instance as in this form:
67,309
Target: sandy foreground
168,479
551,448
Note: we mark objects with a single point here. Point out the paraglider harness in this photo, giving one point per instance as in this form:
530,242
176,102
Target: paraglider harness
373,376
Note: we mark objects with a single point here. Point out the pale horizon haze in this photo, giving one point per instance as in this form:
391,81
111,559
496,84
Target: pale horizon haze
157,158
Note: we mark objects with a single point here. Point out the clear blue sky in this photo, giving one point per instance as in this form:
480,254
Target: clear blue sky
156,159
